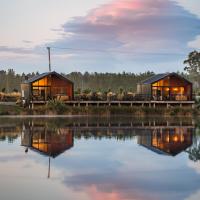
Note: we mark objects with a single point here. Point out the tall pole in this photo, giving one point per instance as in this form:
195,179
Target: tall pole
49,168
49,53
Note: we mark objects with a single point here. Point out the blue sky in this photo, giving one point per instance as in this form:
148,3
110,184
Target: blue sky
102,35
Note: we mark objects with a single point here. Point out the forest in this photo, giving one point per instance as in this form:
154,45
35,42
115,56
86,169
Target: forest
10,80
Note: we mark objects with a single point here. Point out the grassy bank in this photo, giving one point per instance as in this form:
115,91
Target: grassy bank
58,108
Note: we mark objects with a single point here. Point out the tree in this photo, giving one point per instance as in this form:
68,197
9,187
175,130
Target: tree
193,66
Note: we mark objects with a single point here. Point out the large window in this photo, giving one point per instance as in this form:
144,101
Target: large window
171,88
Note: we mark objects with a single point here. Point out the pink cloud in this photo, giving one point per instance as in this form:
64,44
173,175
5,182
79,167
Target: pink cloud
95,194
145,25
114,9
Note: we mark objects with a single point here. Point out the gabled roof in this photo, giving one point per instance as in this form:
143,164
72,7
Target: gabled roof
155,78
156,150
171,149
40,76
52,154
158,77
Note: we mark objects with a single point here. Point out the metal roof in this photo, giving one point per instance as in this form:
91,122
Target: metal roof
158,77
40,76
155,78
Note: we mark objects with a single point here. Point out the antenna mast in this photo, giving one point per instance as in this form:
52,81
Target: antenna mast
49,54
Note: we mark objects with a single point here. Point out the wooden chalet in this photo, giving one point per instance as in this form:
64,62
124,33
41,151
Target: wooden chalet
165,87
47,86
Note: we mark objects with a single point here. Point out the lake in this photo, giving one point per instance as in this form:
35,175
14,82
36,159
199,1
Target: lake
93,158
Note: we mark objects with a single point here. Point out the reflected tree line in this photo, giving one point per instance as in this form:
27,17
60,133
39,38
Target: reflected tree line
54,138
194,150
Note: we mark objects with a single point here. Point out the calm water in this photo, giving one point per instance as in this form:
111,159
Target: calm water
99,159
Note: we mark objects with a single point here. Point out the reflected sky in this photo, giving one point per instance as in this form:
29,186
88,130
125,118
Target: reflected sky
99,158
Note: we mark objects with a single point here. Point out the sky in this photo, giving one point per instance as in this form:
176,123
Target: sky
98,35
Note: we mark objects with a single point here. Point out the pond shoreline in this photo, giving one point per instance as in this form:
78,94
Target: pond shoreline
61,110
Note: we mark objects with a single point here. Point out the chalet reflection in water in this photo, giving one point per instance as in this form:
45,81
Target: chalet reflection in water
47,141
40,137
167,141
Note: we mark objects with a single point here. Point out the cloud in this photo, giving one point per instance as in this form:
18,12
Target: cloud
134,184
27,41
136,25
194,196
127,35
192,6
131,33
195,166
21,52
195,43
15,50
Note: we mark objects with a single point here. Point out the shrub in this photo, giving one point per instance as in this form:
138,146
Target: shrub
58,106
175,110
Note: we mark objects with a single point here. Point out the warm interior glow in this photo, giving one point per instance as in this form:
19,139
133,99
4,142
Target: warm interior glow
167,138
175,138
175,89
166,89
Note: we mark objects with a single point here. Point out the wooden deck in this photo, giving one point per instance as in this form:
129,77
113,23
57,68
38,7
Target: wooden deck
123,103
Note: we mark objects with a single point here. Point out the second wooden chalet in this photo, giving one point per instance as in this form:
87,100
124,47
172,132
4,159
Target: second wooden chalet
165,87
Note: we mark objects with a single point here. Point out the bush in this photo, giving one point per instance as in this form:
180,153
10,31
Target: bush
175,110
58,106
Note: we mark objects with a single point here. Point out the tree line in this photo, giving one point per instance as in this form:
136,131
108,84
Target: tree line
10,80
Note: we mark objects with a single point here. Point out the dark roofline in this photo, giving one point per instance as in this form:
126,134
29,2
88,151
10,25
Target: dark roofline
156,150
158,77
40,76
53,155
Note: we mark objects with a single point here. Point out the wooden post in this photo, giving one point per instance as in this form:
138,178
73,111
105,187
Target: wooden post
49,54
49,168
149,105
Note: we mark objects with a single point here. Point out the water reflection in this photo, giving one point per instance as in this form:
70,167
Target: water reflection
167,141
102,158
47,141
52,137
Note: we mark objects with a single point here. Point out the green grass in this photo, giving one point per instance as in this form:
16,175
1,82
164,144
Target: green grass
10,110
